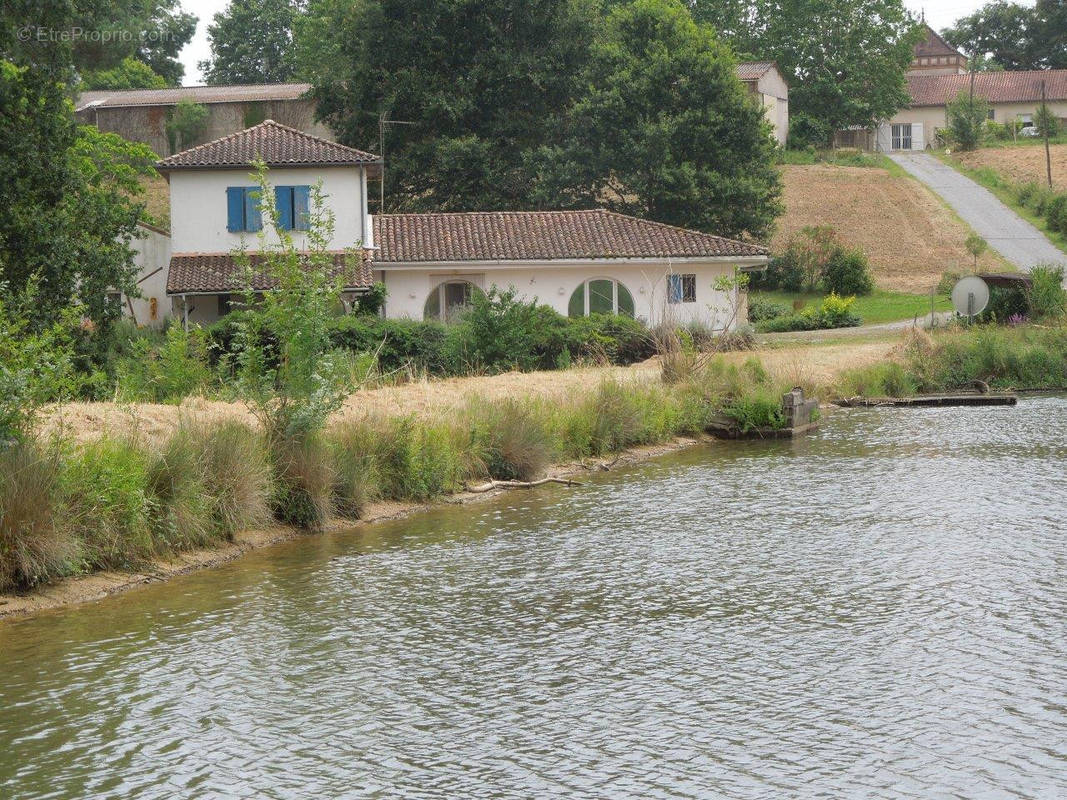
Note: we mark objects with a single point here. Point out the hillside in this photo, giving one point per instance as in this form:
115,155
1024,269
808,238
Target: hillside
906,231
1021,163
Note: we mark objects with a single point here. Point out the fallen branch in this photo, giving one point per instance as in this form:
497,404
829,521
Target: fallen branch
488,487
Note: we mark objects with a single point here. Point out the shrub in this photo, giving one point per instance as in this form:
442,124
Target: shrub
965,116
833,312
1005,302
509,439
35,545
353,448
400,344
1046,297
109,503
1056,213
302,478
760,309
847,272
165,372
615,338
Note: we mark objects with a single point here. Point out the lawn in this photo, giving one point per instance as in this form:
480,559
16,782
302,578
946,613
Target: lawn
881,306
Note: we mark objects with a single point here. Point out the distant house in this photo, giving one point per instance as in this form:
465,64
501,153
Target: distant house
141,115
578,262
765,82
937,75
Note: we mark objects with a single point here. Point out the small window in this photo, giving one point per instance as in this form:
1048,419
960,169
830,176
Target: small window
242,209
681,288
991,114
225,304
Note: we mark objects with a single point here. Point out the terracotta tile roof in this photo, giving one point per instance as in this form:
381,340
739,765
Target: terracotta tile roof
541,236
996,87
754,70
191,273
934,45
111,98
277,144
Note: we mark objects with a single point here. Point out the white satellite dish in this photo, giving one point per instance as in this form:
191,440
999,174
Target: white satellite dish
970,296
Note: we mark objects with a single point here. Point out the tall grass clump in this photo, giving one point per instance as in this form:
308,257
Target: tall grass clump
353,449
109,503
509,439
888,379
417,460
303,480
211,480
745,395
35,545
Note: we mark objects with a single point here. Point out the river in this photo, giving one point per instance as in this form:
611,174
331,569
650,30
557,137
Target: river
875,611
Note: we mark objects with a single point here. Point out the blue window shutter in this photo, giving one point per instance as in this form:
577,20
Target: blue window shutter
283,201
301,207
253,216
235,209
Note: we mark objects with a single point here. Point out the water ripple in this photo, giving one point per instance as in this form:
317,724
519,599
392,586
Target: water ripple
874,612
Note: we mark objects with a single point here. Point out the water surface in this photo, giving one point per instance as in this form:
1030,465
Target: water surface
876,611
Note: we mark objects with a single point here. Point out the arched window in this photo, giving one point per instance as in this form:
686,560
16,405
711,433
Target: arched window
601,296
449,299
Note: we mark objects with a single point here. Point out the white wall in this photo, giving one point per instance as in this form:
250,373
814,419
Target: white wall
553,285
198,213
152,257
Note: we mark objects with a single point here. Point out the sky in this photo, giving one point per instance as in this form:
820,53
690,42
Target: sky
939,13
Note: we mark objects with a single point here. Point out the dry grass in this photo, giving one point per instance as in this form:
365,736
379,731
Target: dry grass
84,422
908,234
1021,164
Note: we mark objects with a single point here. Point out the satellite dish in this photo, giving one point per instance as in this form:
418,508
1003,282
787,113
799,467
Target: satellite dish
970,296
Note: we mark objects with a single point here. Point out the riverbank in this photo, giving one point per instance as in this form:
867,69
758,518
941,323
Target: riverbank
80,589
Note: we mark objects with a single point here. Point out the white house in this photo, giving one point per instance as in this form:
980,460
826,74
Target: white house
577,262
765,82
214,209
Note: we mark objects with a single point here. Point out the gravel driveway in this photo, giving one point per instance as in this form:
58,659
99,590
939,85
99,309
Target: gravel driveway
1009,234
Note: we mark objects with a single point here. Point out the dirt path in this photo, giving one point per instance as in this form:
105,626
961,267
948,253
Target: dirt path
796,362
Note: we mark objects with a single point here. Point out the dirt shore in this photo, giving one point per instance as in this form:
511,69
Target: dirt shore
98,585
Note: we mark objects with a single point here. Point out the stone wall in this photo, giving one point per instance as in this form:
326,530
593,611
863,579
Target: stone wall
147,123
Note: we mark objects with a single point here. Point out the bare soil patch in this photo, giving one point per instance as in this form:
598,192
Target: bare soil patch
907,233
1021,164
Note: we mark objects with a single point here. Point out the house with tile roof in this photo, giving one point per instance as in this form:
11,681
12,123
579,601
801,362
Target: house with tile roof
937,75
577,262
763,81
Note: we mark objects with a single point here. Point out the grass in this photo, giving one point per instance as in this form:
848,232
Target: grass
841,158
878,307
1005,191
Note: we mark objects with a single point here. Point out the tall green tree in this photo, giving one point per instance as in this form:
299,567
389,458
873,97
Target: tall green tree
1014,35
129,74
152,32
252,42
1000,31
664,130
844,59
69,209
480,84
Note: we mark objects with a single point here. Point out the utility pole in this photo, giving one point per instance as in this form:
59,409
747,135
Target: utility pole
1045,125
383,120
